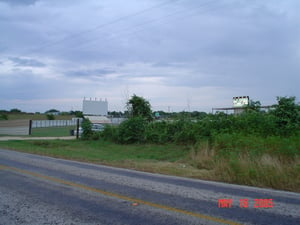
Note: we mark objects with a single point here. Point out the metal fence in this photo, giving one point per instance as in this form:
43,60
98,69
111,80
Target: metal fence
53,123
23,127
14,127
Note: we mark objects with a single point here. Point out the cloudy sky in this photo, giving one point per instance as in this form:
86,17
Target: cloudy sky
178,54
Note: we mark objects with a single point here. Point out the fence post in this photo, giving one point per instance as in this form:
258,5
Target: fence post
77,129
30,126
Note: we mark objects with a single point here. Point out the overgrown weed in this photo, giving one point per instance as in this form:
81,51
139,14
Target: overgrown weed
241,166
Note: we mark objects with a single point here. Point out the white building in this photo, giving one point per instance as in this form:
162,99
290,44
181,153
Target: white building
94,107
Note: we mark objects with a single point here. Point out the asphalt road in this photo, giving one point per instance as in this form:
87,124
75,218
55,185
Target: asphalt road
38,190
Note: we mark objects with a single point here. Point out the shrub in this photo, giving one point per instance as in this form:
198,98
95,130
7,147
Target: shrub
110,133
95,135
156,132
181,131
50,117
3,117
86,129
227,145
132,130
185,132
287,115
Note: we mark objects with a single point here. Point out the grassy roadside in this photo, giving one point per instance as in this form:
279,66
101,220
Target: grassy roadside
197,161
151,158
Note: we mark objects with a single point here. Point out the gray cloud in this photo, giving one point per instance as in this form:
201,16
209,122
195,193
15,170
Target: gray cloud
26,62
19,2
238,46
89,73
27,85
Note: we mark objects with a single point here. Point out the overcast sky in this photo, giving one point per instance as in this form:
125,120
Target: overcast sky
178,54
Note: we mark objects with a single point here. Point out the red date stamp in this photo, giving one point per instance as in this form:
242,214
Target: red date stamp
263,203
224,203
245,203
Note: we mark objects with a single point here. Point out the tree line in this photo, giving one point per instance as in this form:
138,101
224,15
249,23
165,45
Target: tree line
188,127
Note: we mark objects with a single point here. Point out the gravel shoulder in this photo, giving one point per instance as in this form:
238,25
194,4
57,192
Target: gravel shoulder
28,195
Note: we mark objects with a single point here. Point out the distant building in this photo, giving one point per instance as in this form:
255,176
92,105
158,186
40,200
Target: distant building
240,103
98,119
94,107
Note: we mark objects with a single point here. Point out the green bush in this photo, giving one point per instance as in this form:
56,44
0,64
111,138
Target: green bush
110,133
95,135
253,122
227,145
50,117
287,116
3,117
185,132
132,130
180,131
86,129
156,132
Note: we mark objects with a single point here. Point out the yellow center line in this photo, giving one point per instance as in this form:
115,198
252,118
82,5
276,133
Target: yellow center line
110,194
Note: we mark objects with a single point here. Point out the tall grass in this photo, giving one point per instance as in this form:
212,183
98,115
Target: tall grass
250,160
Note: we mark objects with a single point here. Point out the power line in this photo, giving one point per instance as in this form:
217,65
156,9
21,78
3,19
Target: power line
76,35
154,20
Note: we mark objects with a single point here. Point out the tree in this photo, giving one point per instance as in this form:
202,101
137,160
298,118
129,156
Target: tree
132,130
15,111
254,106
78,114
3,117
50,117
287,114
52,111
139,107
3,111
115,114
